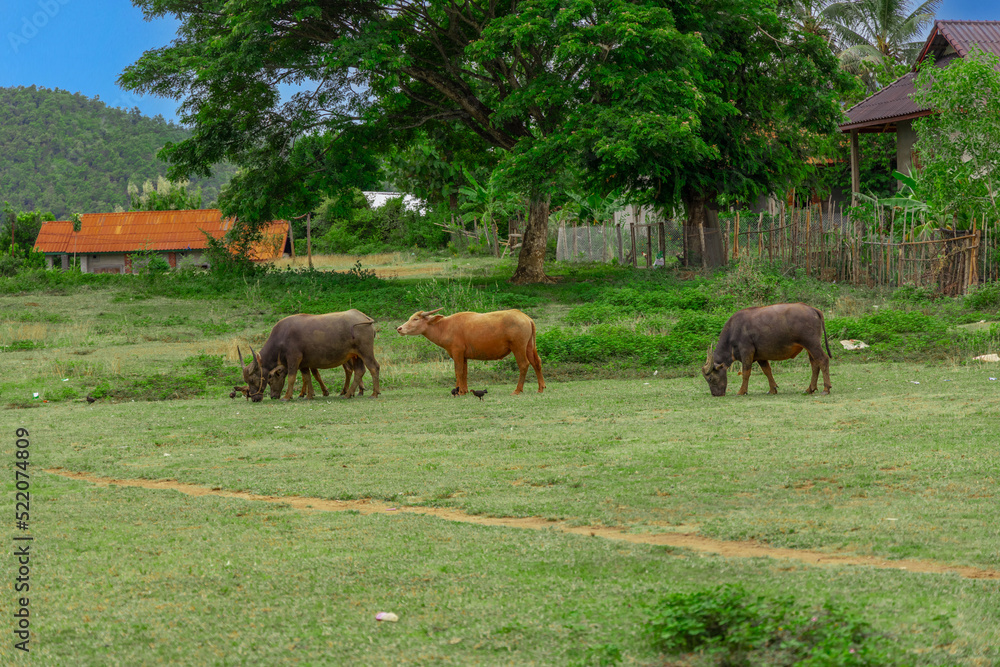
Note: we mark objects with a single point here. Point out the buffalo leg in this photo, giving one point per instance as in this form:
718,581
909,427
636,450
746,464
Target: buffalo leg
746,363
522,366
293,371
358,366
765,366
349,369
462,375
536,363
307,383
348,372
819,362
315,374
357,372
367,360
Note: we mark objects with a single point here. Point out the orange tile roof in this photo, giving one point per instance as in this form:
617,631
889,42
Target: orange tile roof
55,236
132,231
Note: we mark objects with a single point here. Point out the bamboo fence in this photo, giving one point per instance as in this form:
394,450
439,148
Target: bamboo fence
824,242
820,240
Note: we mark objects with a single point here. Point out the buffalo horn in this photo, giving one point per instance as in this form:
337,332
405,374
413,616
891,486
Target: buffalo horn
241,355
252,353
431,312
708,359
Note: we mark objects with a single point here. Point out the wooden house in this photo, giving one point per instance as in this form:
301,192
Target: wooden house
107,242
893,110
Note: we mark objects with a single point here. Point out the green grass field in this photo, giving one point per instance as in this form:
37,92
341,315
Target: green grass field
897,468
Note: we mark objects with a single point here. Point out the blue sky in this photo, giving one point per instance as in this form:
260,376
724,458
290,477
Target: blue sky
83,45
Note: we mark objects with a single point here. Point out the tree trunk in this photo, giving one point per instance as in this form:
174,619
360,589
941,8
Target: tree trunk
531,258
703,221
309,240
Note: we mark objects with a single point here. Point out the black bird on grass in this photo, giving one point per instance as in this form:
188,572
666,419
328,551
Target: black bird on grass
479,393
90,399
454,392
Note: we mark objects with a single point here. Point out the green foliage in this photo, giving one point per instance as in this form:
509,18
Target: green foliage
984,297
24,225
20,345
734,627
878,161
895,333
19,258
879,40
195,376
748,285
680,106
360,229
684,345
149,264
630,301
454,296
960,144
64,152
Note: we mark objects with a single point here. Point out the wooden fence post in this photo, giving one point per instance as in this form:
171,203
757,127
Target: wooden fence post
635,262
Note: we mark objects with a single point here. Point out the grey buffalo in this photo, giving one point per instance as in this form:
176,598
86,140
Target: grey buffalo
308,343
765,334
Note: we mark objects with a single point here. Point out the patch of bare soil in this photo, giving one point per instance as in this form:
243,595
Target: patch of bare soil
691,541
414,271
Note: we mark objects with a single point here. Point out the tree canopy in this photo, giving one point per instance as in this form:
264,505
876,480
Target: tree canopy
662,100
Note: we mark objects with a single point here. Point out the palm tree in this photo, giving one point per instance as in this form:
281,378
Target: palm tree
812,17
874,33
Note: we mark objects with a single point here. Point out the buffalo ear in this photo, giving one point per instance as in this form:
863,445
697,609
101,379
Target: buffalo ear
720,367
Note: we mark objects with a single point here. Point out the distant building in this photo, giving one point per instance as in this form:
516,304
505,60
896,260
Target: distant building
106,241
893,110
410,203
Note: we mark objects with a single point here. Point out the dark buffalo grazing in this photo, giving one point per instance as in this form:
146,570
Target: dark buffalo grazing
480,336
765,334
308,343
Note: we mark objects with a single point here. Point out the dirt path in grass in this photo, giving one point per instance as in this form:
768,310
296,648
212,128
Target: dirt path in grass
682,540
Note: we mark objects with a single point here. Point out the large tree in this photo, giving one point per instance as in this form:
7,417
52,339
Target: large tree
513,74
531,79
764,94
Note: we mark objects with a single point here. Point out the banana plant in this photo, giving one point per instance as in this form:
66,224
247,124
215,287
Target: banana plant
595,209
912,201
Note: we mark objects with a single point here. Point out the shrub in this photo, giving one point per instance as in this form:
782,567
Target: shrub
913,294
984,297
749,286
734,627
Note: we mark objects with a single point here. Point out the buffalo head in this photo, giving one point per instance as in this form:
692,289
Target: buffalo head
253,376
715,375
418,322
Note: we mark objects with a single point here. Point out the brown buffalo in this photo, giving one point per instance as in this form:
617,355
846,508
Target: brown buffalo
765,334
310,342
480,336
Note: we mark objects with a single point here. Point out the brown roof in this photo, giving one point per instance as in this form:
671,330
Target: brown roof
947,41
133,231
55,236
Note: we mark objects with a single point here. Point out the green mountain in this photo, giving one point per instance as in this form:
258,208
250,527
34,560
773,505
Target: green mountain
67,153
